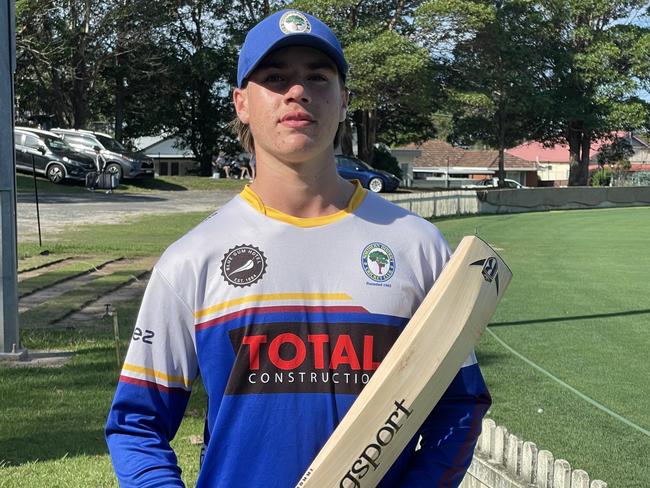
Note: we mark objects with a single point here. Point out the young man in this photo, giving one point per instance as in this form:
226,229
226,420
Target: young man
286,299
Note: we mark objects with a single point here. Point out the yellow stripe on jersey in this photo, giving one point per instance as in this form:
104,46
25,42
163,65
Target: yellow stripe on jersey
157,374
271,297
256,202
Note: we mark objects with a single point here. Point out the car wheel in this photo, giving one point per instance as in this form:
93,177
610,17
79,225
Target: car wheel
55,173
375,185
114,169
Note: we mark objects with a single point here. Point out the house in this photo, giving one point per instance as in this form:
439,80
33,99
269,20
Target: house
553,162
439,164
170,157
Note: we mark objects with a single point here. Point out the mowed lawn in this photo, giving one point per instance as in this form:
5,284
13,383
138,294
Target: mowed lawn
578,306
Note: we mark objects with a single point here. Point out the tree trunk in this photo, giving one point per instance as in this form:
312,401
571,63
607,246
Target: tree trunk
366,121
584,158
345,138
574,138
502,147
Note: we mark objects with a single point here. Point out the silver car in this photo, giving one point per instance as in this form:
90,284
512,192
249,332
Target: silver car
119,161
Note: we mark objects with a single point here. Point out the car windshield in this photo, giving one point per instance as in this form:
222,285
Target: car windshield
57,144
111,144
363,165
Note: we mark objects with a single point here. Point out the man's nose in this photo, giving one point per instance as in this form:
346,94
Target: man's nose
297,93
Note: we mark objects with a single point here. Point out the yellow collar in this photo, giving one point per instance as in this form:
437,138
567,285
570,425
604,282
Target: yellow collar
255,201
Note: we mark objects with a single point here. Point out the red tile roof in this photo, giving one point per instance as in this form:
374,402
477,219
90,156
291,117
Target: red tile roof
436,153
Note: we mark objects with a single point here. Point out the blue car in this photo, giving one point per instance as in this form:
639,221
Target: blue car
373,179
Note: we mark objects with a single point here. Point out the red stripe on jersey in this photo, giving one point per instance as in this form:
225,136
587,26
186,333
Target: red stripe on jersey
282,309
151,384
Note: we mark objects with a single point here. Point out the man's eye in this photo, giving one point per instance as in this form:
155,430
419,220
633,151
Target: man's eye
318,77
274,78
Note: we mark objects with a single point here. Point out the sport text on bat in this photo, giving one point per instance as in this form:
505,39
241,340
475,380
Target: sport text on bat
371,455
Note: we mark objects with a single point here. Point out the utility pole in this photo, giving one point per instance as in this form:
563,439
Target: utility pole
9,334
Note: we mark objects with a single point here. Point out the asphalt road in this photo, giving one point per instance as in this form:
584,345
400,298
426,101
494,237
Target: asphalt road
60,211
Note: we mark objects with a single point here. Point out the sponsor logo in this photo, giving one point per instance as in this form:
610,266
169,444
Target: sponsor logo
490,270
378,262
370,457
294,22
307,358
144,335
243,265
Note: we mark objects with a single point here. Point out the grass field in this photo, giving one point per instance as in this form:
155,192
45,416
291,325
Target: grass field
578,307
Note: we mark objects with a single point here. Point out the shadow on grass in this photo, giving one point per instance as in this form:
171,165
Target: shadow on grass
50,412
155,184
572,318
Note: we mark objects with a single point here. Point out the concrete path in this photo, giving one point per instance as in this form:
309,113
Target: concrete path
60,211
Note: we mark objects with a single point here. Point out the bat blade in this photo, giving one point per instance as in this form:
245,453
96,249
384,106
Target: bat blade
415,373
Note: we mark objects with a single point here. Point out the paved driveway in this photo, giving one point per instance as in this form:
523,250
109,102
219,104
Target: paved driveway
60,211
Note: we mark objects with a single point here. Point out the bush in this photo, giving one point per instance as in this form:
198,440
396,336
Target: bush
601,177
384,160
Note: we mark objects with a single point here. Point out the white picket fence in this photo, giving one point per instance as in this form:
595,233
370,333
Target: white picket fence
502,460
438,203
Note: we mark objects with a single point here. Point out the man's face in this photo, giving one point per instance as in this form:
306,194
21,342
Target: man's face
293,103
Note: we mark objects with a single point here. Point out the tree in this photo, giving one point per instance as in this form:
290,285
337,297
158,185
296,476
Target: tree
494,81
601,61
391,76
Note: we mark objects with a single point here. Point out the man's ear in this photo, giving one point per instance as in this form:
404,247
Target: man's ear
345,95
240,100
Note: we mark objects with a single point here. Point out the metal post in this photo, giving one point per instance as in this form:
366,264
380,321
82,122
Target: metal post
9,333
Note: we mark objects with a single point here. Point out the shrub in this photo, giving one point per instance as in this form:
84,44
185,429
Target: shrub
384,160
601,177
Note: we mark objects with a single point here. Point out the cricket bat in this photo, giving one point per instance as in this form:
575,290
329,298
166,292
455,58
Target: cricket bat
415,373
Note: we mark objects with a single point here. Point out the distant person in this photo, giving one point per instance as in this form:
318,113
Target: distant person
252,163
100,161
244,167
218,163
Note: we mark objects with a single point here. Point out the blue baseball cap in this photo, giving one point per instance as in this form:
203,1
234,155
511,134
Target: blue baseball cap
287,28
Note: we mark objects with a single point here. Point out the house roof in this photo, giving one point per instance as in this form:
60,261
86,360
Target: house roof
435,153
490,159
163,146
440,154
559,153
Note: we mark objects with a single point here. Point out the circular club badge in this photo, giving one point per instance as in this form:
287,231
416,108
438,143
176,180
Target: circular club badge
378,262
293,22
243,265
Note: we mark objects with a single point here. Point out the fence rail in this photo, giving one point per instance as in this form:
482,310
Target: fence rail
502,460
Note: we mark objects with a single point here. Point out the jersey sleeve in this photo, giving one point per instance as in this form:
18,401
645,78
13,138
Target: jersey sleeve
450,433
153,390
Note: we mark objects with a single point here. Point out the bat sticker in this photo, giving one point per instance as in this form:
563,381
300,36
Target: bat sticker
490,270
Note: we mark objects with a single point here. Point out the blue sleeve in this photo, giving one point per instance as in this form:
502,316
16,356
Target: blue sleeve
450,433
153,390
141,423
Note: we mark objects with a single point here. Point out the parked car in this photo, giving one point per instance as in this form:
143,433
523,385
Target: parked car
373,179
49,155
119,161
494,183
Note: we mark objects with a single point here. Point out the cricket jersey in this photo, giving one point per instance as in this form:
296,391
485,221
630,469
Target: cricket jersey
285,319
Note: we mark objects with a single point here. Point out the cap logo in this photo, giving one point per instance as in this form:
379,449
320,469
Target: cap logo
294,22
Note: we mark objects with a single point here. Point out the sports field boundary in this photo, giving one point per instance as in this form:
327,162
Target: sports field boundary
447,203
503,460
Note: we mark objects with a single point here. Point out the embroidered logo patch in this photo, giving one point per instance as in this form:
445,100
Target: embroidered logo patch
294,22
243,265
378,262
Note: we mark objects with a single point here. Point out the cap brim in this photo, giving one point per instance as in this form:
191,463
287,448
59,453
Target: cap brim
300,40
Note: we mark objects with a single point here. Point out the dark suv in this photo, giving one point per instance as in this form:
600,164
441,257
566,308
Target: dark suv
119,161
49,155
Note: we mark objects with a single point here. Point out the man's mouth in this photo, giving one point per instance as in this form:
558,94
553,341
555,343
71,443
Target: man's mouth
297,119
